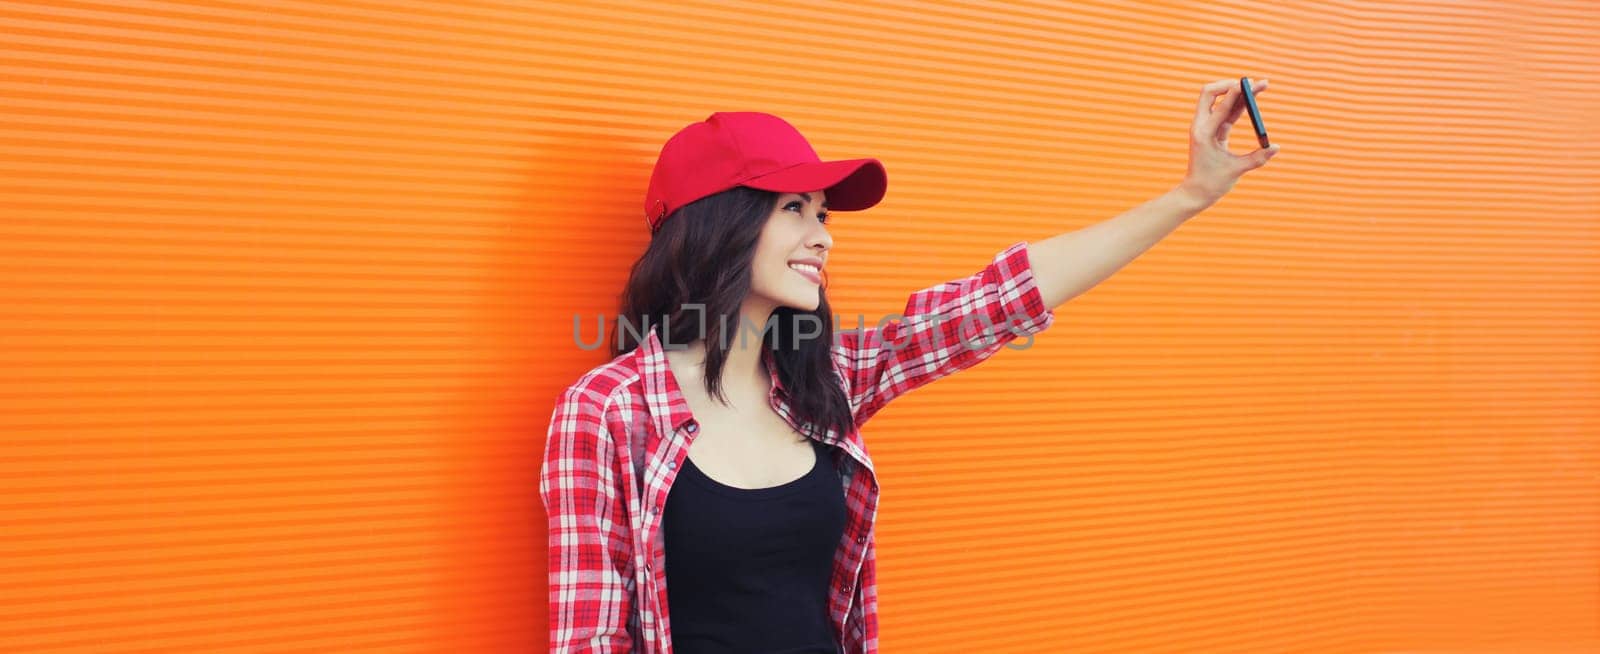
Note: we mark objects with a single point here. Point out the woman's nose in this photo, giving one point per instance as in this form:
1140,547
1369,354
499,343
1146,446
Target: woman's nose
820,236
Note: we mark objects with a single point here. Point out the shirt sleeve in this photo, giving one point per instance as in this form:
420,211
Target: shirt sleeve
590,562
946,328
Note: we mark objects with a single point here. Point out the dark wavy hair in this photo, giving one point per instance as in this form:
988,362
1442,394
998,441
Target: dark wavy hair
702,255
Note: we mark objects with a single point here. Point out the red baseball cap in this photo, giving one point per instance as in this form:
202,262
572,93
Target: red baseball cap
758,150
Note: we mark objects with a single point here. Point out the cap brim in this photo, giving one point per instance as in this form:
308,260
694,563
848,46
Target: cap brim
850,184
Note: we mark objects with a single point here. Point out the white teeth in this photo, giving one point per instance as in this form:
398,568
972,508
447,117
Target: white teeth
806,267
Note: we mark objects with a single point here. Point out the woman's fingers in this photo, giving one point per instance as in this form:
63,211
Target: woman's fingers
1216,121
1208,95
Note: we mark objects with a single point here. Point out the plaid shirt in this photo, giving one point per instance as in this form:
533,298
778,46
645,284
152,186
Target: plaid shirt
619,435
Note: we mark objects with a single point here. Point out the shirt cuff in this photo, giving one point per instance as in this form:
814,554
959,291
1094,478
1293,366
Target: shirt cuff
1024,308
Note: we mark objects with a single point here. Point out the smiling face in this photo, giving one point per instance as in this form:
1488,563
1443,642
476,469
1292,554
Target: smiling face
794,235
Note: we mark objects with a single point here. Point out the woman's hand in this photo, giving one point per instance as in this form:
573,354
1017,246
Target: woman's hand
1213,170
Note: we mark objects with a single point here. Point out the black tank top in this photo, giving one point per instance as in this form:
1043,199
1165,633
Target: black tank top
748,568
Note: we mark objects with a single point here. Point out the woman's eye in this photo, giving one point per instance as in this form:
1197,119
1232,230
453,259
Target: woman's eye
821,217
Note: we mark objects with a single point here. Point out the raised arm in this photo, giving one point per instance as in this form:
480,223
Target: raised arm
945,328
1069,264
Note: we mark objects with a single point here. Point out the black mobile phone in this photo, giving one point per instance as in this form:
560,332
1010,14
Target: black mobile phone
1255,112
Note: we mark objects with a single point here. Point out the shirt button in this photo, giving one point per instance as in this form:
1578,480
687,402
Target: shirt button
672,465
861,540
693,427
656,510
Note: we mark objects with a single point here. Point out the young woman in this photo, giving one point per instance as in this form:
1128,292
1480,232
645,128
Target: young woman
715,465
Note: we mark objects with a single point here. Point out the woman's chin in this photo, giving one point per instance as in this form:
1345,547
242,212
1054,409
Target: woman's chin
809,304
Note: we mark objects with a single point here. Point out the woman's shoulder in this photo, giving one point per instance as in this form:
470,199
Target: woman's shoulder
607,386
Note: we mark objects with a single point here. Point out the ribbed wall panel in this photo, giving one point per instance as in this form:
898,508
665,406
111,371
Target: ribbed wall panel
289,293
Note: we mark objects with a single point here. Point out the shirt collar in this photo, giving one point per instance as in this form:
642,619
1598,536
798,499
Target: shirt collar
772,371
661,392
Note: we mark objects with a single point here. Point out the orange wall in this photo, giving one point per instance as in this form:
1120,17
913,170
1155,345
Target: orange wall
288,297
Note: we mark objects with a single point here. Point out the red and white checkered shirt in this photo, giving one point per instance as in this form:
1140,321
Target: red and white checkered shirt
619,435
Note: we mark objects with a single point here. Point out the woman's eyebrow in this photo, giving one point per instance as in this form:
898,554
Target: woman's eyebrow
807,196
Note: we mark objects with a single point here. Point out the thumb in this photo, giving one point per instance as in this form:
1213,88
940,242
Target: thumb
1264,154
